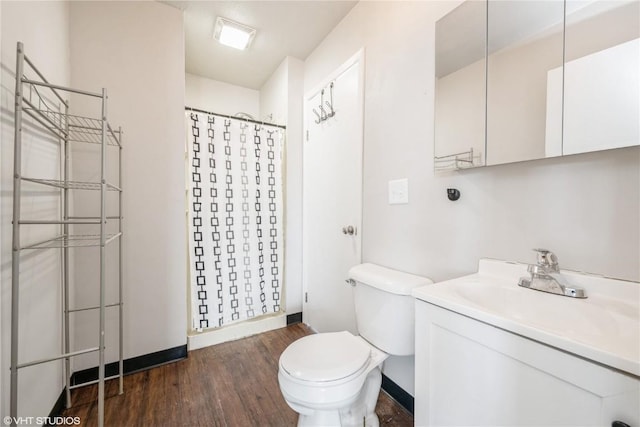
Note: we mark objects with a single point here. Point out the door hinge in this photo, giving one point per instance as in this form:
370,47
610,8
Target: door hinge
306,297
307,135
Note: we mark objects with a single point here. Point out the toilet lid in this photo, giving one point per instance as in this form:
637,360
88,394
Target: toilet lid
325,357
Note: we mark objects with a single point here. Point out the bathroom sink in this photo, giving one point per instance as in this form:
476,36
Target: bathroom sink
605,327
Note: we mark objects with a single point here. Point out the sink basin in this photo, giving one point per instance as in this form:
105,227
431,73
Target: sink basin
605,327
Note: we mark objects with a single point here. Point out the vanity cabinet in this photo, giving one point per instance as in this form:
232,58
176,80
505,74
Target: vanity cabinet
471,373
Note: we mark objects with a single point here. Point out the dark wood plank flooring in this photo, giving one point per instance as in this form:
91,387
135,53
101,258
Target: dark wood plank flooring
230,384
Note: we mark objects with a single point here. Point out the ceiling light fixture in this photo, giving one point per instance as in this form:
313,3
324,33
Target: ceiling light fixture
233,34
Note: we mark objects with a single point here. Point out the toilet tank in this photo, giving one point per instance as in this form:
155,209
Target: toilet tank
385,309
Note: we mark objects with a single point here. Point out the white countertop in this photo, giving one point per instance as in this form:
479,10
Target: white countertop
605,327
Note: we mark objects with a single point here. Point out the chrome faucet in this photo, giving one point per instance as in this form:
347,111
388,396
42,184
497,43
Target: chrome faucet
546,277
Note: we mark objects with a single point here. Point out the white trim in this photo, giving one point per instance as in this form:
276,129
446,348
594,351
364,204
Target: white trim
236,331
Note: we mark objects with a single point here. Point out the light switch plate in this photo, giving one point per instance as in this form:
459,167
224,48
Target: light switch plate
399,191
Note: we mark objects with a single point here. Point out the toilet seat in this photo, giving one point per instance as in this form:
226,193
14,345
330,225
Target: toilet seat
325,385
326,357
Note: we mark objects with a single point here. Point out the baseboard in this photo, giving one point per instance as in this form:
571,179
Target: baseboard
294,318
397,393
135,364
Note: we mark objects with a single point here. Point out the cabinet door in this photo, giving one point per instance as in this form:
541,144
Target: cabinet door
460,87
524,43
601,76
471,373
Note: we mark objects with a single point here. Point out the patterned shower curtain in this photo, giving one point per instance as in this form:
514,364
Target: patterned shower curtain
235,219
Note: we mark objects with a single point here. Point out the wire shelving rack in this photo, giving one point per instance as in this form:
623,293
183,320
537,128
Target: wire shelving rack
44,103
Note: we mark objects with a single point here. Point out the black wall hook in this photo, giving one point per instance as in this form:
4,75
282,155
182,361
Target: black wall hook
453,194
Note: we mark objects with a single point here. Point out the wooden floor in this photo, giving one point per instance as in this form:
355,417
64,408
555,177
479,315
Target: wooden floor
230,384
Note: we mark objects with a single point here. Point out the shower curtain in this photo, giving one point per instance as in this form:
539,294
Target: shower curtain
235,219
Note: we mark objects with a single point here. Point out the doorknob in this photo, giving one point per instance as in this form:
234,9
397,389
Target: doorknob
350,230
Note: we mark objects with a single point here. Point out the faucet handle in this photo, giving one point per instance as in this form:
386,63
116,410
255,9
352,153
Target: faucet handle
547,258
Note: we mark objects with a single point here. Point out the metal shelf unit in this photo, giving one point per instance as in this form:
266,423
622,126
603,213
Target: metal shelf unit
33,97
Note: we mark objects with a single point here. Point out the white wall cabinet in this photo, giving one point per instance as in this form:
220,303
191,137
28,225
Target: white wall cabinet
474,374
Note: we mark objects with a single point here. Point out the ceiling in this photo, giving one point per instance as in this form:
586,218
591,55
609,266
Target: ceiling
284,28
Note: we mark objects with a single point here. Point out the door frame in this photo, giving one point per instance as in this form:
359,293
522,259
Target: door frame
359,59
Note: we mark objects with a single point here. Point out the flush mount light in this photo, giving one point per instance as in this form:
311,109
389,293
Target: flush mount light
232,34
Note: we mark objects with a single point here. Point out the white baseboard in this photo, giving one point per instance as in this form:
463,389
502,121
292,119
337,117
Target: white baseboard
198,340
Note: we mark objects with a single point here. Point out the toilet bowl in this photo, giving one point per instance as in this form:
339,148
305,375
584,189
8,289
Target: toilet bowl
334,378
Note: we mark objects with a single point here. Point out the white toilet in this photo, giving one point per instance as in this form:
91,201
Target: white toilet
333,378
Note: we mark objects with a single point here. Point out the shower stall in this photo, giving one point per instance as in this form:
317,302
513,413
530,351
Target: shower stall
234,220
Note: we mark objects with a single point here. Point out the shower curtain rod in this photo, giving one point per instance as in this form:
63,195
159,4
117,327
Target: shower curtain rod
233,117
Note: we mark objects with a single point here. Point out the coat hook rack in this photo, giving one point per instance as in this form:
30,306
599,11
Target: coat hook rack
325,116
326,107
330,103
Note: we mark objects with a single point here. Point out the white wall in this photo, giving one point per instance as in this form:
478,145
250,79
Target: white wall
584,207
136,51
281,99
274,102
293,164
40,291
220,97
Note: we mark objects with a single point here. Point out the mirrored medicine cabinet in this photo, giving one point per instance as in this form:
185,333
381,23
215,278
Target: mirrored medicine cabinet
521,80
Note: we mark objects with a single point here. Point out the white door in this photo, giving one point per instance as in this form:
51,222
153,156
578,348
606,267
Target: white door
332,197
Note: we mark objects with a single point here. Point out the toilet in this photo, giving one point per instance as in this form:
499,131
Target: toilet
334,378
